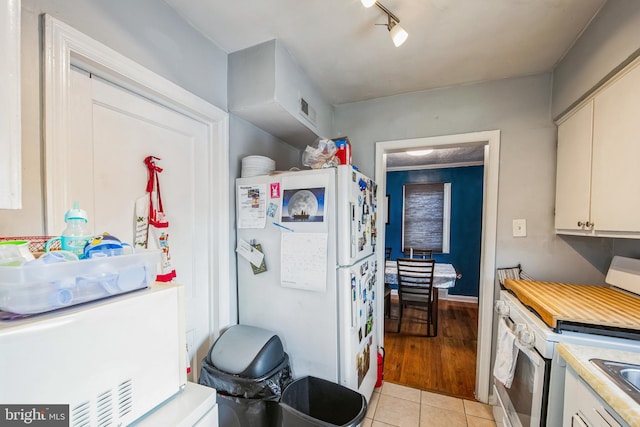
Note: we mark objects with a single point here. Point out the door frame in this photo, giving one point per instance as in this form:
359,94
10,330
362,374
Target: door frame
10,126
64,47
491,142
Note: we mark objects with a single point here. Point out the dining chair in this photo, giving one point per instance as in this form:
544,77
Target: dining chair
415,288
387,300
418,253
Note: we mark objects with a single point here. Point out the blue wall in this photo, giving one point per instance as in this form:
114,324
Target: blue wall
466,219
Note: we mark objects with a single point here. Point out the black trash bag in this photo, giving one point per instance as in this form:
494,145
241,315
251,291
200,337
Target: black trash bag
266,387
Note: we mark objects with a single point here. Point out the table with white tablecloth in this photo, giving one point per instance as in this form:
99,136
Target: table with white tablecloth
444,275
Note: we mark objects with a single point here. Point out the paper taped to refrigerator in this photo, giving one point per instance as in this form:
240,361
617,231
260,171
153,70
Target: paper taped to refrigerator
303,262
252,206
249,252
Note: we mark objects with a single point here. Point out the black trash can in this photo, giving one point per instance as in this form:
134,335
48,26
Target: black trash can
311,401
249,370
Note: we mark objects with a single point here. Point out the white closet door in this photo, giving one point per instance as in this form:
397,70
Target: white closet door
112,132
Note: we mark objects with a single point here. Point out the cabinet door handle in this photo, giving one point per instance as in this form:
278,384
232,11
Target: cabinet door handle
587,224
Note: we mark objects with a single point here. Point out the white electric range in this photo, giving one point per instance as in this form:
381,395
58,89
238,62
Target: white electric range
535,397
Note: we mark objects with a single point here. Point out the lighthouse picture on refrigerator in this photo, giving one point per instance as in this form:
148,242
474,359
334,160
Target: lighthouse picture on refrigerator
307,269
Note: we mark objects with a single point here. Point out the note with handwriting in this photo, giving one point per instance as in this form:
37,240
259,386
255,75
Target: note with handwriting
249,252
303,261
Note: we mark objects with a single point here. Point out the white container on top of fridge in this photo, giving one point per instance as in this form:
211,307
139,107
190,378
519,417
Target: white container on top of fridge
316,229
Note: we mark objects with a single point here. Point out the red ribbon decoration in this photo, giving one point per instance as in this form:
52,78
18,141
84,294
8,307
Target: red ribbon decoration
153,181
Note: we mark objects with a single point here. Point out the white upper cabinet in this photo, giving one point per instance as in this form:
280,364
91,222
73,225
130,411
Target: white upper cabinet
10,154
573,178
616,156
598,175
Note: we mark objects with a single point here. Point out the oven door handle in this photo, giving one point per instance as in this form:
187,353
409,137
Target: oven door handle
531,354
525,341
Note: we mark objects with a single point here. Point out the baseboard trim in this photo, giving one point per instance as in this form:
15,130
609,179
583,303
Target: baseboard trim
444,294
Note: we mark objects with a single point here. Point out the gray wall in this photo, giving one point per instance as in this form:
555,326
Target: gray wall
523,110
152,34
520,109
611,40
609,43
248,140
147,31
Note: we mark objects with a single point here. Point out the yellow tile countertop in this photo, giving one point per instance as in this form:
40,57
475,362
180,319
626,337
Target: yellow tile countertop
577,356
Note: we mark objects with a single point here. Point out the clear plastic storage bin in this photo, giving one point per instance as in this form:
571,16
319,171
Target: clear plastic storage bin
30,289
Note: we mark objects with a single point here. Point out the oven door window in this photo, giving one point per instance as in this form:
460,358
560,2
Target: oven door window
523,401
521,391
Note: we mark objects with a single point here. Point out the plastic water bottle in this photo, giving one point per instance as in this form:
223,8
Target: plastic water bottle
76,235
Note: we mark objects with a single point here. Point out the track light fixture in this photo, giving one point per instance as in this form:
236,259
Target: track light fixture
397,33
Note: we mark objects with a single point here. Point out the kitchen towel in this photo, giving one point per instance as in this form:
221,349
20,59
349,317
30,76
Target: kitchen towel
158,234
506,354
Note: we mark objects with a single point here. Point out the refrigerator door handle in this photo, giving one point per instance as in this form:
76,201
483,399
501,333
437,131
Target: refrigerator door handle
352,230
354,301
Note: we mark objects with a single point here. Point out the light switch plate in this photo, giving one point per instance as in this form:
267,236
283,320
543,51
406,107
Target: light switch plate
519,228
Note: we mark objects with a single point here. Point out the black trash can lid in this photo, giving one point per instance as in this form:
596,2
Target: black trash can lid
248,351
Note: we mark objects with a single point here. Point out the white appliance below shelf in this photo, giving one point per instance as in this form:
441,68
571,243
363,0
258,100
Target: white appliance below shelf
113,359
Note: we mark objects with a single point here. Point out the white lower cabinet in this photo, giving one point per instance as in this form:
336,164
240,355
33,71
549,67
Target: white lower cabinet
584,408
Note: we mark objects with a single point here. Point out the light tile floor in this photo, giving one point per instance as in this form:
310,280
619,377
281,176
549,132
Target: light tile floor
397,405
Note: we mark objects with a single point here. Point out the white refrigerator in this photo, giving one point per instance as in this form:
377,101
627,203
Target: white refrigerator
307,269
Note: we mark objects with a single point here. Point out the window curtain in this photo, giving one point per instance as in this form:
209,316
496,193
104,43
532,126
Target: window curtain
423,216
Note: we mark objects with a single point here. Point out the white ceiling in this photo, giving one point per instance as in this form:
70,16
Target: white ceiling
451,42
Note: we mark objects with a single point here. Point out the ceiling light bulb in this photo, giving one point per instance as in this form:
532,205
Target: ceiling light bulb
418,152
368,3
398,34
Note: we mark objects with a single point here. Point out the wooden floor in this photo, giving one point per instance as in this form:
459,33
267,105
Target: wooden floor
444,364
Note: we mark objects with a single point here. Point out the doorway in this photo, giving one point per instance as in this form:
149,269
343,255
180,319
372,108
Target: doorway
491,142
103,114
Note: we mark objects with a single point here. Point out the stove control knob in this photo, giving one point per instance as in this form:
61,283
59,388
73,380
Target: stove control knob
502,309
526,337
